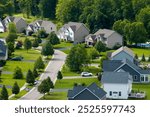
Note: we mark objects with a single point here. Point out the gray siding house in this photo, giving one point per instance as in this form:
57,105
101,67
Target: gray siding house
92,92
123,53
74,32
138,74
3,50
2,27
48,26
20,23
106,36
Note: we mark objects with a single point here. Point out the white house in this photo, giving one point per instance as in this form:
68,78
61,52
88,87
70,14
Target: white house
109,37
2,28
118,85
123,53
73,32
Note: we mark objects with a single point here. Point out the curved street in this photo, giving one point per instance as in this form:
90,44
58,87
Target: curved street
51,70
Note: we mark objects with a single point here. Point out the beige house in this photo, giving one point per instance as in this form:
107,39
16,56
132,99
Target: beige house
73,32
20,23
106,36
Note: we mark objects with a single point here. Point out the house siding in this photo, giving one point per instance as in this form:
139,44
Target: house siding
132,72
122,55
114,39
123,88
2,29
80,34
21,25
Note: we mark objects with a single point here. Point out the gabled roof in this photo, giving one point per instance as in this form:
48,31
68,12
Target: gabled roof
13,19
75,26
116,77
125,49
92,36
93,88
115,65
104,32
3,48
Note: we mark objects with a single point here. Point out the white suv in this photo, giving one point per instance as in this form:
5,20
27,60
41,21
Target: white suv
86,74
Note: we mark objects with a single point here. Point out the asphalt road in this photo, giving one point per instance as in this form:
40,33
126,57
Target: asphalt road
51,70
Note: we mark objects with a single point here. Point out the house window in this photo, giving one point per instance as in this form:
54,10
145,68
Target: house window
146,78
110,93
142,78
135,77
119,93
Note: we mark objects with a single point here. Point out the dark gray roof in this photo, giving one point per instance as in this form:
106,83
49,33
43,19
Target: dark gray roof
3,48
116,77
93,88
111,65
104,32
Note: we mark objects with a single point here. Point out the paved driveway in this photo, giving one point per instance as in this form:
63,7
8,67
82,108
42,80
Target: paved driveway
51,70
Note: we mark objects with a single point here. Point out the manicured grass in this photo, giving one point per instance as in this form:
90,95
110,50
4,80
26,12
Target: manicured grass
66,51
30,55
96,60
63,45
140,51
22,38
66,72
143,87
69,83
3,35
11,65
22,93
55,96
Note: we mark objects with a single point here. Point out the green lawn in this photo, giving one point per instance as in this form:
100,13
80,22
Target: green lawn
63,45
66,71
143,87
3,35
140,51
30,55
69,83
56,96
11,65
22,93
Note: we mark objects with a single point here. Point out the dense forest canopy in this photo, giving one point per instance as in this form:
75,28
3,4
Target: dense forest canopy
95,14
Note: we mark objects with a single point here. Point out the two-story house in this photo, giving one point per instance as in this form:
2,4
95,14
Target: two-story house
20,23
3,50
2,28
74,32
109,37
47,26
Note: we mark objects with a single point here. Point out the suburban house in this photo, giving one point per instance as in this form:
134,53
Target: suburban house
73,32
106,36
48,26
92,92
138,74
123,53
2,28
118,85
3,50
20,23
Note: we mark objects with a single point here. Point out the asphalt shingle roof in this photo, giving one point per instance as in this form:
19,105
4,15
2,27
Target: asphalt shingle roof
97,91
125,49
104,32
116,77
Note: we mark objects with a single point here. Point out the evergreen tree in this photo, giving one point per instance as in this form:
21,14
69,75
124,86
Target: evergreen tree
11,48
27,44
143,58
51,85
136,56
15,88
100,47
4,93
30,77
18,73
35,73
59,75
39,64
53,39
47,49
35,43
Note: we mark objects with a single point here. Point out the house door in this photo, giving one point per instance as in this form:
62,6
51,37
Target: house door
115,95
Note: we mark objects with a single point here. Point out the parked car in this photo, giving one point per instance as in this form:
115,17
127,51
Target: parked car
17,58
86,74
